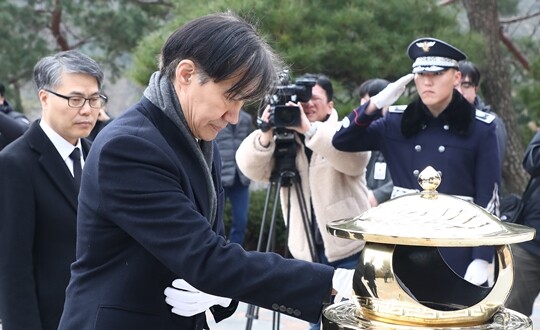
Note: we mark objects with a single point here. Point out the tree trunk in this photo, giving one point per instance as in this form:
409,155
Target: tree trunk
496,87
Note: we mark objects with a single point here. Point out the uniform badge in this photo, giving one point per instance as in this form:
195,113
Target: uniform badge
426,45
484,116
379,172
397,108
344,123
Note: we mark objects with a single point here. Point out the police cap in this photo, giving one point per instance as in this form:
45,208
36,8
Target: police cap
433,55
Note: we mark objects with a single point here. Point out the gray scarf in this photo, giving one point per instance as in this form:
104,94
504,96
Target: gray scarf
161,93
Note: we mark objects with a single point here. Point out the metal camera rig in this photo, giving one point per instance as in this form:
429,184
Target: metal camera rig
284,174
283,116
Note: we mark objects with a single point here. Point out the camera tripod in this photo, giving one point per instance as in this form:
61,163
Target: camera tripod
288,178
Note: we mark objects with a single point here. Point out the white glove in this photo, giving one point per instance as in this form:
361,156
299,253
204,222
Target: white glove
392,92
342,282
477,272
188,301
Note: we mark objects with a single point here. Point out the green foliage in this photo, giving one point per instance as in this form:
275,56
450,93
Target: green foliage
257,200
349,41
19,43
107,30
507,7
147,58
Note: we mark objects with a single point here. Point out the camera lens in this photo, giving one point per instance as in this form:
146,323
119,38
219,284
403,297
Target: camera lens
287,116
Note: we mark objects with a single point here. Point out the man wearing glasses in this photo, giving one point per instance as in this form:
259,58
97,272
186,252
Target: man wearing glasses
470,83
39,185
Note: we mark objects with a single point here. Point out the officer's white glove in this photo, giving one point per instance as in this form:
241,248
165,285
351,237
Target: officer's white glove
188,301
392,92
342,282
477,272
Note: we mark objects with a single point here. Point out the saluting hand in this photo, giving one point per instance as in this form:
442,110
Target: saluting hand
392,92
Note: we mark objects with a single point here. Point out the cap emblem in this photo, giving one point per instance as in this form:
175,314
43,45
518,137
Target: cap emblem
426,45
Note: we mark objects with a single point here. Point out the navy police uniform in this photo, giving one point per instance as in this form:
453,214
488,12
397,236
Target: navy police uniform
460,143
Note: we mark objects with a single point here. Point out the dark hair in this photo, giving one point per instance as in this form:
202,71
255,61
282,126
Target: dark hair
2,89
322,81
224,46
468,69
48,71
372,87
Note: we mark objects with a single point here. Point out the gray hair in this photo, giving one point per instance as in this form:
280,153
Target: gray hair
48,71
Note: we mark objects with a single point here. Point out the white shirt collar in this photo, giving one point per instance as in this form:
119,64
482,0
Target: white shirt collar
62,145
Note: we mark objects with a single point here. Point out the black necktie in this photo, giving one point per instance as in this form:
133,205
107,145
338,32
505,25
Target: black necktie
77,169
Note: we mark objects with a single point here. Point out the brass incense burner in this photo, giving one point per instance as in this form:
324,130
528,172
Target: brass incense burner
402,282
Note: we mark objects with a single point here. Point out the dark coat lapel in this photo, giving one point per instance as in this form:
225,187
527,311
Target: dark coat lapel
51,162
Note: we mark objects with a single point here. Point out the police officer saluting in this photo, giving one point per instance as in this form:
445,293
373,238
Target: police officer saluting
439,129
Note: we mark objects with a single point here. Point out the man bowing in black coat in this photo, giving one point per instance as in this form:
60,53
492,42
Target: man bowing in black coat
39,176
151,201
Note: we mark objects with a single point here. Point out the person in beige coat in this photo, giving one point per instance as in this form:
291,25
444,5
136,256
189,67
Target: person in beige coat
333,182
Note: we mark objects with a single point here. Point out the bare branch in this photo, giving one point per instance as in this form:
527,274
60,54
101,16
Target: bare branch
445,2
519,18
81,42
155,2
513,49
56,22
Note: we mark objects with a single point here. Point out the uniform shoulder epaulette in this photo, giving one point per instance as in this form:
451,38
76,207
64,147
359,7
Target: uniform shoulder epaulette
484,116
397,108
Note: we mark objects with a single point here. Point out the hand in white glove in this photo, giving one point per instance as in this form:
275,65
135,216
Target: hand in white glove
342,282
477,272
392,92
188,301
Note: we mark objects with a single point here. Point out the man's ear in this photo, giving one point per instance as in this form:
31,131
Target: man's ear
185,71
330,106
43,96
457,78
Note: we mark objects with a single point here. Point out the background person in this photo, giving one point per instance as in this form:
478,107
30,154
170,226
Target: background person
378,178
235,183
437,129
12,123
526,255
38,192
151,200
103,120
468,87
10,130
333,182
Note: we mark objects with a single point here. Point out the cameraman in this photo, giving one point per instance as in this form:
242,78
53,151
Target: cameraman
333,182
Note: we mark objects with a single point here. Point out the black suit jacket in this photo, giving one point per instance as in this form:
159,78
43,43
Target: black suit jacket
38,205
143,221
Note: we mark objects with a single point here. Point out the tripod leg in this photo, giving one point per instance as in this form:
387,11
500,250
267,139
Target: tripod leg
265,211
275,321
305,219
273,190
252,313
270,244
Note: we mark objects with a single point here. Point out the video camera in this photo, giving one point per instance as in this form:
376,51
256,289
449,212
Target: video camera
282,115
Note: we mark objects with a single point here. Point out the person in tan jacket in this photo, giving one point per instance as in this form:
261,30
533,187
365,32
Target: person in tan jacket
333,182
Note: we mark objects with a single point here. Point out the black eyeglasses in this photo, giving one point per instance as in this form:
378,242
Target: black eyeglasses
467,84
96,102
